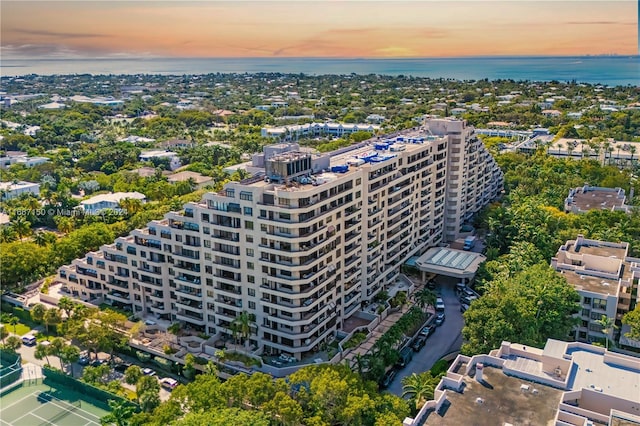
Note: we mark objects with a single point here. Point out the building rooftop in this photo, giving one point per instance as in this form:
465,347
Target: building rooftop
184,176
502,402
10,186
590,198
598,248
591,284
593,371
450,262
115,197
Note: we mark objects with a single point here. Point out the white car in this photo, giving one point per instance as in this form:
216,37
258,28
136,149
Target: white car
148,372
149,322
169,383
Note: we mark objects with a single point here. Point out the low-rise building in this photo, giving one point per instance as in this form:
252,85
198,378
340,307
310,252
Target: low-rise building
15,189
199,180
585,198
564,384
111,201
172,157
27,161
605,277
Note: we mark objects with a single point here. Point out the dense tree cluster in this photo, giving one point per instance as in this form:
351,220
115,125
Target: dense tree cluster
314,395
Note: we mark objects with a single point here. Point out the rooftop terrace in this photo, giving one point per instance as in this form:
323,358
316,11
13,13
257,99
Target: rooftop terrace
499,400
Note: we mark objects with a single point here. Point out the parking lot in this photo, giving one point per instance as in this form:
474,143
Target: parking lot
446,339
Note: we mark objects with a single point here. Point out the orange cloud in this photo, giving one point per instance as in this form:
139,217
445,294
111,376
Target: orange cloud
318,28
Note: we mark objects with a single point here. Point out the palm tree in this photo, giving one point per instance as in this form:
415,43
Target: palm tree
70,354
42,351
56,348
632,150
22,227
67,305
120,413
52,317
131,206
425,298
37,312
608,325
244,326
14,321
7,234
419,387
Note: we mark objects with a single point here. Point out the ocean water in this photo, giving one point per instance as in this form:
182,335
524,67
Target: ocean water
606,70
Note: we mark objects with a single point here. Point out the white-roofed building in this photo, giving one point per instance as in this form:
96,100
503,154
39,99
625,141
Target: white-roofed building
95,205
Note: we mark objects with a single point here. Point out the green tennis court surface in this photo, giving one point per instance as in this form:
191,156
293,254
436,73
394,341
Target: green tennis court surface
40,405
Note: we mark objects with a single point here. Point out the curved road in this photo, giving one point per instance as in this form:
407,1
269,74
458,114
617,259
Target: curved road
447,338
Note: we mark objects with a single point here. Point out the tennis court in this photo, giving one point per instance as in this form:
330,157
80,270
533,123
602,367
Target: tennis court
40,405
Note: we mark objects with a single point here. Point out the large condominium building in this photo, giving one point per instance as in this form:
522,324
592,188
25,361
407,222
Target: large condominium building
605,277
301,244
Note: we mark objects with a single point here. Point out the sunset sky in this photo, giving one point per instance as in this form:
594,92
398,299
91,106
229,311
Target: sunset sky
323,28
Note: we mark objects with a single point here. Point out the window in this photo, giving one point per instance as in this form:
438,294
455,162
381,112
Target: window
251,292
252,305
250,252
134,263
263,228
599,304
246,196
230,193
249,238
206,229
248,211
207,256
586,300
207,243
252,280
359,181
250,265
248,224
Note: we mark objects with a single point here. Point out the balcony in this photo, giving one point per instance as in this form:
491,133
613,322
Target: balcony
189,303
119,296
188,279
189,292
228,288
189,316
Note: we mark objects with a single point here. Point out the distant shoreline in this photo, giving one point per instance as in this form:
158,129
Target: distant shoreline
609,70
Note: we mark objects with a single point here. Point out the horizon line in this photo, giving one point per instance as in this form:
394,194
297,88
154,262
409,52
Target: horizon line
374,58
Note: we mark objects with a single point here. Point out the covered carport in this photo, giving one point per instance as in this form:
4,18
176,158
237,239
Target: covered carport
448,262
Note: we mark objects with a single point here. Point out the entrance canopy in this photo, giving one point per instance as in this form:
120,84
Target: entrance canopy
450,262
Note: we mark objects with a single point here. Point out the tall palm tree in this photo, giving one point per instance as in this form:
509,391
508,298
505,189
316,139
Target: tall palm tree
425,298
42,351
608,325
244,324
419,387
632,150
120,413
14,321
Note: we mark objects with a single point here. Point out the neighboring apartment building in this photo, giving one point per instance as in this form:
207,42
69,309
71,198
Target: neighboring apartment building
564,384
27,161
585,198
312,130
605,277
111,201
303,243
10,190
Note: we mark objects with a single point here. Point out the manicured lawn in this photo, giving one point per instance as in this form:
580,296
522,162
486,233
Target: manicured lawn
21,329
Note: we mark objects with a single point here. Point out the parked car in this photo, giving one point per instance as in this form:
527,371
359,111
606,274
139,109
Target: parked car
149,322
464,307
406,355
466,300
84,360
29,340
168,383
148,372
388,378
122,367
427,331
440,319
439,305
418,343
98,362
